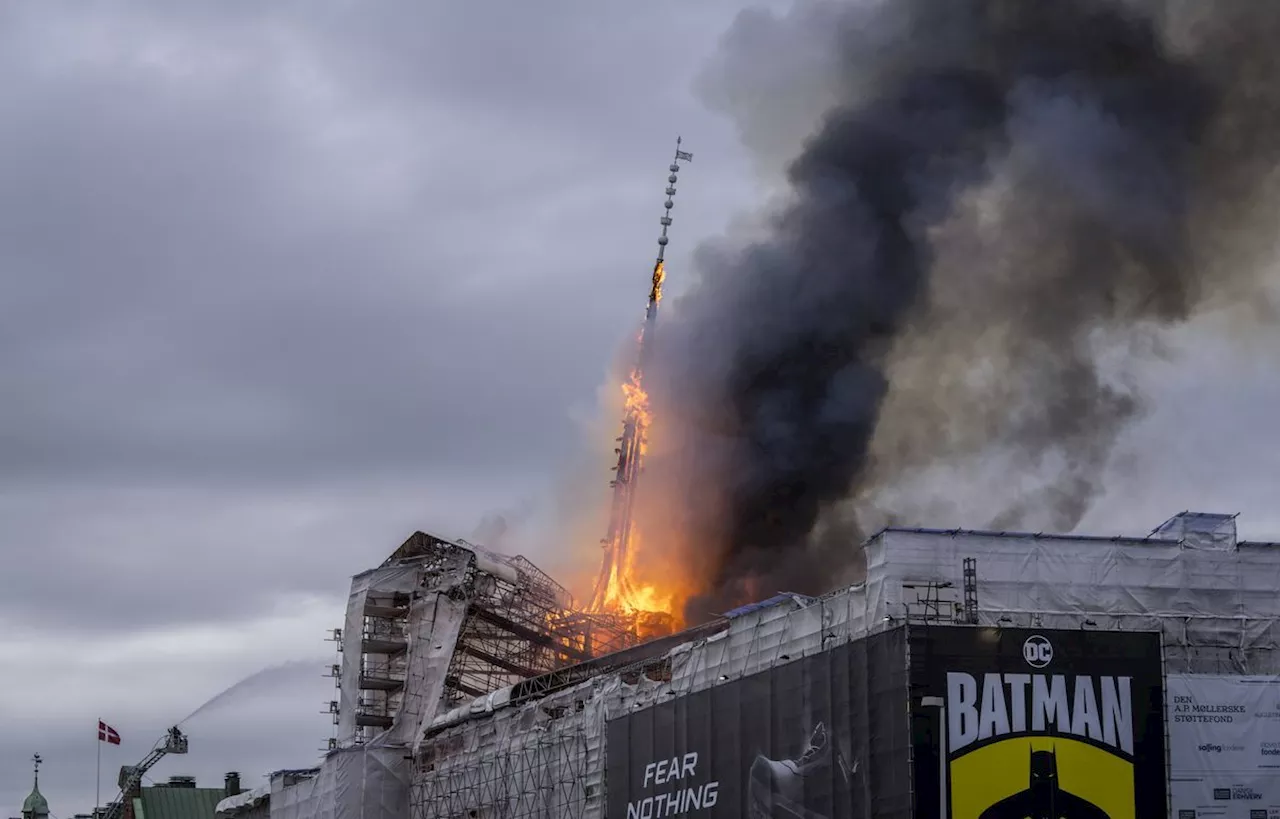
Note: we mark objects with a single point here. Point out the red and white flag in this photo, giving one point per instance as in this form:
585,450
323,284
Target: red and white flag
107,734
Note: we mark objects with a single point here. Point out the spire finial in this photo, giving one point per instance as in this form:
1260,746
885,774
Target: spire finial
659,265
665,221
36,760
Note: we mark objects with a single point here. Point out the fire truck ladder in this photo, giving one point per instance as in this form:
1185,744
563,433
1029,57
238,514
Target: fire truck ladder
174,742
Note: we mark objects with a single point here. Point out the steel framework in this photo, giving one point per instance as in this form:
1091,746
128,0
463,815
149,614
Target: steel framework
550,775
519,624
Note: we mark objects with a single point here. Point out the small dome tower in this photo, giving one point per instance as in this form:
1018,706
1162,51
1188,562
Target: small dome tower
36,806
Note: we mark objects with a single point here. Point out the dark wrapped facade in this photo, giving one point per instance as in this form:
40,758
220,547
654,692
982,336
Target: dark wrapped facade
1034,723
824,737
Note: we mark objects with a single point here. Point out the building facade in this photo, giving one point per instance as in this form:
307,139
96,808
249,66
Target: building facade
1205,603
1095,670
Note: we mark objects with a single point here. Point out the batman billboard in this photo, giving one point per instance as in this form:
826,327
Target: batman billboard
1012,723
820,737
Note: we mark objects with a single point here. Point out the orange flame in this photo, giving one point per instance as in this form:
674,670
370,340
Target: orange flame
637,587
640,586
659,276
635,402
653,602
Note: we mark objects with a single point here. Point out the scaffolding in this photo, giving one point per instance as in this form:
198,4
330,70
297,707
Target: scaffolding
541,774
384,647
537,749
542,760
970,607
522,626
934,602
442,622
374,653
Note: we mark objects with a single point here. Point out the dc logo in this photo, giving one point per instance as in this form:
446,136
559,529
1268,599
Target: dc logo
1037,651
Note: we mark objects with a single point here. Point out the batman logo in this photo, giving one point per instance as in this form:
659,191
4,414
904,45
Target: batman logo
1044,797
1041,778
1029,746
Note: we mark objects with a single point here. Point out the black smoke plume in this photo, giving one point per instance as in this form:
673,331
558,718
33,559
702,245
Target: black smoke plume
998,191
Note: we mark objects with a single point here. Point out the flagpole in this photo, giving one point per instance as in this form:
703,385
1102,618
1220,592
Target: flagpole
97,794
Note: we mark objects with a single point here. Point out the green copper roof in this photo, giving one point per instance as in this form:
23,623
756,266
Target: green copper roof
177,803
36,804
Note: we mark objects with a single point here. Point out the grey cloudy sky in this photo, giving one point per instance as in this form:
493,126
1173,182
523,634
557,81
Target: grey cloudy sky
280,283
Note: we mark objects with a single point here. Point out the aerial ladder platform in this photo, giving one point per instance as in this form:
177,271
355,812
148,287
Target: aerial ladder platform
130,779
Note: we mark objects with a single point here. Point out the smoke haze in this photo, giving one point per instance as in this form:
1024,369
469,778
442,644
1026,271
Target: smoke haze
993,209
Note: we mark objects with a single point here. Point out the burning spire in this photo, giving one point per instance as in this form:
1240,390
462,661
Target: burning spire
613,589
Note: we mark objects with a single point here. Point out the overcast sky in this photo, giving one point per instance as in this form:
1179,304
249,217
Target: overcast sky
280,283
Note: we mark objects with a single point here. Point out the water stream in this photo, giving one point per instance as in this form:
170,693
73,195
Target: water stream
256,681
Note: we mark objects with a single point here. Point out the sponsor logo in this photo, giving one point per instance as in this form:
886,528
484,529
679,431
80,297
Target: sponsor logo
1218,748
1236,792
1037,651
1186,709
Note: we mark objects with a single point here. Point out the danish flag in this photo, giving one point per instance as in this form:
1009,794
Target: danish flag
107,734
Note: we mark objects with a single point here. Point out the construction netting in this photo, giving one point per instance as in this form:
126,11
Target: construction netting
364,782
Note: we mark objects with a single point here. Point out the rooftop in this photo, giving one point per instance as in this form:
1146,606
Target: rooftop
168,802
902,568
1182,527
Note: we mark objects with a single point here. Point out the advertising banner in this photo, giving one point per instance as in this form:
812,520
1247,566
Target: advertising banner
1224,746
1014,723
823,737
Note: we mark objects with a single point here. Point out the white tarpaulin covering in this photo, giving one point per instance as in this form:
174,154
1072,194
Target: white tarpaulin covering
1217,608
242,802
434,625
384,581
354,783
1224,745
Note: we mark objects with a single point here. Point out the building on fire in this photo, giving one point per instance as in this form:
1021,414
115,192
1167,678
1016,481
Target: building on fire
972,674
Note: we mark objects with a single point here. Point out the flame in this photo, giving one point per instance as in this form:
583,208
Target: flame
659,276
626,592
653,602
635,402
638,586
649,598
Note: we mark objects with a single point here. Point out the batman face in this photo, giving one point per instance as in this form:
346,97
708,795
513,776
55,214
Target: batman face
1044,769
1043,798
